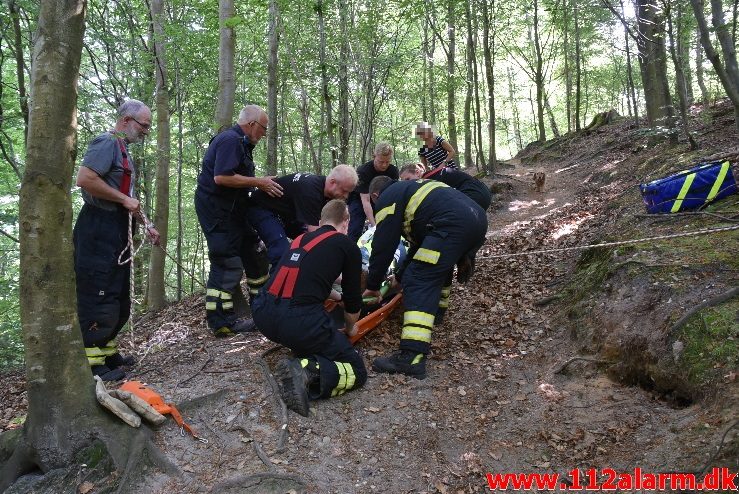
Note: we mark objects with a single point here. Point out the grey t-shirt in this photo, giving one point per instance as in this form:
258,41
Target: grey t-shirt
104,157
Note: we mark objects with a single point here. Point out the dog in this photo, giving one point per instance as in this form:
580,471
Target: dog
539,179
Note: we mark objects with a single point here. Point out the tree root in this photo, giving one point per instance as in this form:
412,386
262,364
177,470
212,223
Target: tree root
708,303
718,450
19,463
562,368
140,446
247,481
276,392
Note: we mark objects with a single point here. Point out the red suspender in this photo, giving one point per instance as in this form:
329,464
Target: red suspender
287,276
126,179
433,172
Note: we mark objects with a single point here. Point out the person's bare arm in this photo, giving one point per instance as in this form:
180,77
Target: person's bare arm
89,180
367,206
450,153
350,323
236,181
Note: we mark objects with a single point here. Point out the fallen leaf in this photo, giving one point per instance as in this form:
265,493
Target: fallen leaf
85,487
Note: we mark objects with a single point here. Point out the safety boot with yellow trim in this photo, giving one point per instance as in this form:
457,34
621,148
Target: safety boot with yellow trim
405,362
293,381
238,326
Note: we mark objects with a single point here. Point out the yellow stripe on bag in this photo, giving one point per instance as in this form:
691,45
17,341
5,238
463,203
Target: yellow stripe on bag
719,180
683,192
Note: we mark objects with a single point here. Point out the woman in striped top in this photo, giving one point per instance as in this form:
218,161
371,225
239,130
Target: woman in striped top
435,150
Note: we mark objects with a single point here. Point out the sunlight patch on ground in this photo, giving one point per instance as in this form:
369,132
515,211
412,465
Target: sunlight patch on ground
520,205
569,227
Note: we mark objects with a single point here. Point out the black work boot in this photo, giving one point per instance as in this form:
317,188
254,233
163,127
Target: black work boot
117,360
106,373
402,362
293,381
238,326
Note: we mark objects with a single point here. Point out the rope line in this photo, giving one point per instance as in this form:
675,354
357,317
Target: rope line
612,244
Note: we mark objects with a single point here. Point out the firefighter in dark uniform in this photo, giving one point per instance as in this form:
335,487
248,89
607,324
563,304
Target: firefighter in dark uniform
298,209
290,311
444,228
221,203
453,177
101,233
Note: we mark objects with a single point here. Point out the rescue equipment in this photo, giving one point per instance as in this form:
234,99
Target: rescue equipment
689,189
284,282
154,399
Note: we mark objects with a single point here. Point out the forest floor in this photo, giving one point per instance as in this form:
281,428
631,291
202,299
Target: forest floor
502,393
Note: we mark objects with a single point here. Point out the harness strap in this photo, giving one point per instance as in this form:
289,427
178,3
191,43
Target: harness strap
127,172
433,172
287,276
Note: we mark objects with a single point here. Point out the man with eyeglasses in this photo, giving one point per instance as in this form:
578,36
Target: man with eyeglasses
221,202
106,177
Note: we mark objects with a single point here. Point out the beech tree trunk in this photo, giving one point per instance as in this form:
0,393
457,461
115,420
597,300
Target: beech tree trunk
156,292
653,64
344,129
705,99
488,55
468,123
19,63
272,86
63,413
451,79
728,72
325,85
226,79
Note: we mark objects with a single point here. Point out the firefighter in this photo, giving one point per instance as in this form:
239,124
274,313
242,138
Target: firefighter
290,311
444,228
221,202
298,209
457,179
101,234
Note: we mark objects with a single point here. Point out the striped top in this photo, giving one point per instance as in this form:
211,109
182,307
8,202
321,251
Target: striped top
436,155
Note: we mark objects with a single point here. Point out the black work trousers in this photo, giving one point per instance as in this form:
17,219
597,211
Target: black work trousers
232,250
103,290
308,331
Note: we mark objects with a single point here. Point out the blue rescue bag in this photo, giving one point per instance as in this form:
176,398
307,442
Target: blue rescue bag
689,189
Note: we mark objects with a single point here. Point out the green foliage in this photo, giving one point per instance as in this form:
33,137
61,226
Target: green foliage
711,339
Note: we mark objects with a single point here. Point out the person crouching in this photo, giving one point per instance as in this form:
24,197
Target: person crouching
290,311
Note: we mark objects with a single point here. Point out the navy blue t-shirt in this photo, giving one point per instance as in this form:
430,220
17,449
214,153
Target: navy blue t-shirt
302,198
229,153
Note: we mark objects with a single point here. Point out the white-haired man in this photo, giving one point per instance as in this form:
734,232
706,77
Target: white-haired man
299,208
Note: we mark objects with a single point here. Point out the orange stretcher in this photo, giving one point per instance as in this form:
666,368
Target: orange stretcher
374,318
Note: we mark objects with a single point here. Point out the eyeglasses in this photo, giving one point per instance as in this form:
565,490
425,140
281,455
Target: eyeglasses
262,126
143,126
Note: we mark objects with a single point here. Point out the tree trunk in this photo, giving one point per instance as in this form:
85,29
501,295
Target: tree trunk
226,79
468,123
680,81
630,73
705,99
653,60
539,75
426,77
156,290
344,129
324,84
727,74
578,68
487,51
272,67
451,79
63,414
480,161
180,158
514,110
568,75
683,33
550,113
